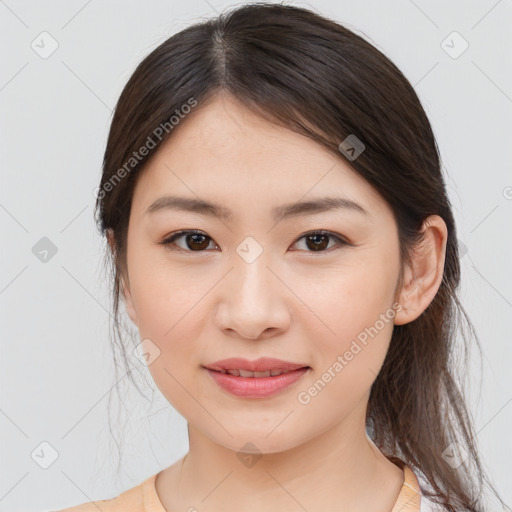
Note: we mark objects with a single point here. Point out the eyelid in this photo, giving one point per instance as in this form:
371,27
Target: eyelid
342,241
168,240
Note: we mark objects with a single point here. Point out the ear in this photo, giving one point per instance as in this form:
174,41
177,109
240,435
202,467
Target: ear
123,287
423,277
125,290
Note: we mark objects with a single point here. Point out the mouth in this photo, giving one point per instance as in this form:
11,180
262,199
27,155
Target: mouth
255,379
258,375
258,368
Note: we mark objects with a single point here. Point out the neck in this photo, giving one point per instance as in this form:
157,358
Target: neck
339,470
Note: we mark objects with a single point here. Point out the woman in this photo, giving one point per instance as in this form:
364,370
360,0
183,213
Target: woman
282,238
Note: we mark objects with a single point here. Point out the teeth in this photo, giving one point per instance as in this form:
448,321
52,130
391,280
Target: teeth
260,374
246,373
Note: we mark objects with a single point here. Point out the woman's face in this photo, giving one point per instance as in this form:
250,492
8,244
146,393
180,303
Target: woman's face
255,284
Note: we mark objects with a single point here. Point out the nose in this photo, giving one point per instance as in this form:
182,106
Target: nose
254,301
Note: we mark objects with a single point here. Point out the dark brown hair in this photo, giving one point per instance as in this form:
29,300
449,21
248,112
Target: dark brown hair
307,73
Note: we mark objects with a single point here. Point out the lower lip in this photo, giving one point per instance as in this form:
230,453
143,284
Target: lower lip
256,387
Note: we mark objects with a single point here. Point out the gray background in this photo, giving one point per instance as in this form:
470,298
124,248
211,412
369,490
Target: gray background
56,369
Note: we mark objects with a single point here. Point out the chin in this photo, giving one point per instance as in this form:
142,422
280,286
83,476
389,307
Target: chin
257,442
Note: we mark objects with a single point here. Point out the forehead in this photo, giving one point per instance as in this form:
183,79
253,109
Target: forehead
225,153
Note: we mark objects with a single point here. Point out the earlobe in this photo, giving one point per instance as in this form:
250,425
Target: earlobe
423,277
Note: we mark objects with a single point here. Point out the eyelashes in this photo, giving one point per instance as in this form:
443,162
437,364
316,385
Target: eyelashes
199,240
200,237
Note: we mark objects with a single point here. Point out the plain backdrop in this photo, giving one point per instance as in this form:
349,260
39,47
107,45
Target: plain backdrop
56,370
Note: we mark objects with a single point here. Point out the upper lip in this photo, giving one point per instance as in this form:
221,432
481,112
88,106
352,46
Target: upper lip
259,365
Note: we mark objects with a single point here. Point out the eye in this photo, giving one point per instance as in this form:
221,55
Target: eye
197,241
318,241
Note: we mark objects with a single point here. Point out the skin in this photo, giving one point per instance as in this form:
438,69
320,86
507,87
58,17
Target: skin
290,303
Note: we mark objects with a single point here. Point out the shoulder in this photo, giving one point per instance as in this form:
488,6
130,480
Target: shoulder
132,500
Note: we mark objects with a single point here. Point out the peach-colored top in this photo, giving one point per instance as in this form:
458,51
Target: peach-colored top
144,498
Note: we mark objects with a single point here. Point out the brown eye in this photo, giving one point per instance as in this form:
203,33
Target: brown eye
195,241
318,241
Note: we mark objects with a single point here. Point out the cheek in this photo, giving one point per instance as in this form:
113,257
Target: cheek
164,295
167,313
347,362
353,321
349,299
170,320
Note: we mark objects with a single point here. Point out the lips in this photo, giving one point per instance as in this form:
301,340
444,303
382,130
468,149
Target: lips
256,385
263,367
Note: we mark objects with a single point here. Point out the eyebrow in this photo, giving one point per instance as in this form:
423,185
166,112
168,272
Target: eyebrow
278,213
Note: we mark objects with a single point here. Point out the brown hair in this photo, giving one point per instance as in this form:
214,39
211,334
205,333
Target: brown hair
307,73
